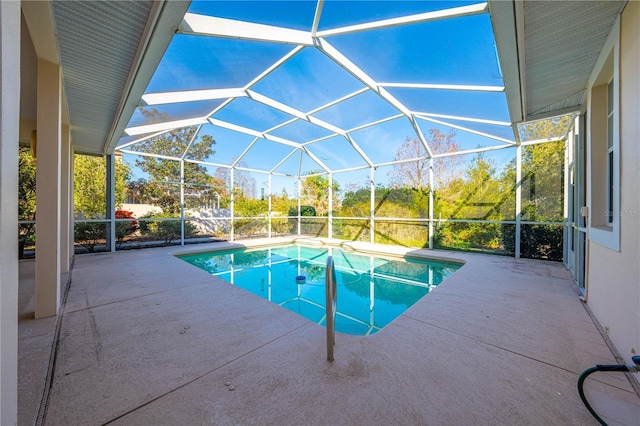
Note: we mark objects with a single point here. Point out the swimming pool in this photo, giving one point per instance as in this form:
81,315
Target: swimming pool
372,290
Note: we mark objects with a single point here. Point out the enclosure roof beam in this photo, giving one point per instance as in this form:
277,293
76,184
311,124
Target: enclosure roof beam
466,129
316,17
294,112
464,87
165,126
293,151
151,99
140,139
354,70
229,28
455,12
359,150
316,159
251,132
461,118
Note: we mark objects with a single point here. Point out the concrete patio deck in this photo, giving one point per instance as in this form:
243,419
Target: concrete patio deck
147,339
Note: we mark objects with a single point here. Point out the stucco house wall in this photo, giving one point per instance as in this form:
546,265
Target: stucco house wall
613,277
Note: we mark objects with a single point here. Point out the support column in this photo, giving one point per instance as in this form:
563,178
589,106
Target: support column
518,199
372,204
72,213
269,208
299,205
233,206
330,208
9,131
111,202
47,297
431,198
66,206
182,201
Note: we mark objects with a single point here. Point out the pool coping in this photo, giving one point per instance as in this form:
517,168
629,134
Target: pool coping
358,246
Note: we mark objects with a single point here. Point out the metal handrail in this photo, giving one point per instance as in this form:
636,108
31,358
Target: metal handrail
331,297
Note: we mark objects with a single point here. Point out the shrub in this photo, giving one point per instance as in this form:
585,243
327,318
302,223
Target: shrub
124,229
281,226
306,227
167,230
88,234
536,241
469,236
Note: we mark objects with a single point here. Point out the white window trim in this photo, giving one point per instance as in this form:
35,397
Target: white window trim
609,235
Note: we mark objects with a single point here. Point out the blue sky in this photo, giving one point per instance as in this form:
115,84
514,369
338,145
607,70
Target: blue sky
449,51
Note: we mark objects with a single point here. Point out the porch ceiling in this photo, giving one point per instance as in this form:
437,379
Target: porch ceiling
558,42
105,48
562,44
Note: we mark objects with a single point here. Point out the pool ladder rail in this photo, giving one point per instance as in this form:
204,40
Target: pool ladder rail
331,297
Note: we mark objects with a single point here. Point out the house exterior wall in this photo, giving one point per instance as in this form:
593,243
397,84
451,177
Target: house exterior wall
614,276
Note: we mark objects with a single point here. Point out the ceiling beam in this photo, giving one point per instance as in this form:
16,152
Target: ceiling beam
294,112
468,130
455,12
151,99
464,87
230,28
461,118
508,31
316,18
164,126
39,19
252,132
354,70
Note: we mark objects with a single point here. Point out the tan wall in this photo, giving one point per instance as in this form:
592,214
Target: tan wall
614,277
140,210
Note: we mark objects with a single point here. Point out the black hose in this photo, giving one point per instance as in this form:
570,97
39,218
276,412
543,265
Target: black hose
581,379
587,372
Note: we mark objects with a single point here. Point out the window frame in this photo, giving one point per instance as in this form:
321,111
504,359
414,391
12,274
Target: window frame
603,195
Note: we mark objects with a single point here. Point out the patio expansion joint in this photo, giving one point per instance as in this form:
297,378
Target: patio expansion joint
48,380
231,361
113,302
511,351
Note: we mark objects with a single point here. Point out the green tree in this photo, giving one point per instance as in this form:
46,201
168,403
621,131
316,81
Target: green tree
542,186
356,203
26,198
90,195
477,196
281,204
315,192
556,127
250,207
163,185
90,185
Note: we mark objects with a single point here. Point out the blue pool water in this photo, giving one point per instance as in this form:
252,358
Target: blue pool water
372,290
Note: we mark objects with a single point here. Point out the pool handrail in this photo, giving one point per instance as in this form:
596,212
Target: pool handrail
331,290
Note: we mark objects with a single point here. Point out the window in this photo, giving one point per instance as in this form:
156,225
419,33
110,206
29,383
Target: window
610,163
603,146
